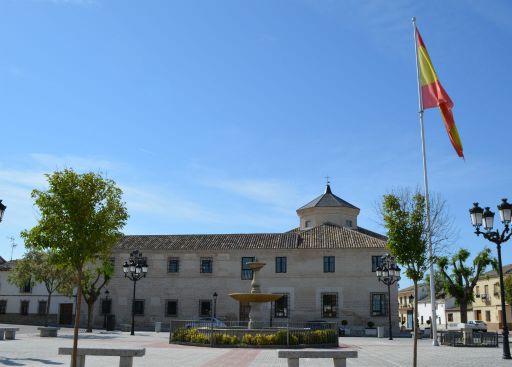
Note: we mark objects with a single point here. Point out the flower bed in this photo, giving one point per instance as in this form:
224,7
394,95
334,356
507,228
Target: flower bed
256,338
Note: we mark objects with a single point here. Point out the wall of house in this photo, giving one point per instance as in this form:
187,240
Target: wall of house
487,305
425,313
353,281
14,297
320,215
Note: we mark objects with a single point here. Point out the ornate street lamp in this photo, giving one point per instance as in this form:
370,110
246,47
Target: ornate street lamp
215,295
2,210
388,273
135,269
485,217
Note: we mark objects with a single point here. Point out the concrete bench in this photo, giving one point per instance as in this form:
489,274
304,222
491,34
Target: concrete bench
126,355
9,332
339,356
48,331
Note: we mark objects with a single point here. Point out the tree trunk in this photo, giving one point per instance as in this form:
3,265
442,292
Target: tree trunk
77,319
415,322
47,321
90,308
463,310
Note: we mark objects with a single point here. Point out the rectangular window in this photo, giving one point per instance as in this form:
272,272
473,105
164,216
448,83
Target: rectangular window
281,264
246,271
307,224
173,265
171,307
24,307
378,304
205,308
328,264
27,288
477,291
450,317
41,308
106,306
348,223
496,289
281,307
206,265
376,262
422,320
486,290
487,315
138,307
329,304
3,306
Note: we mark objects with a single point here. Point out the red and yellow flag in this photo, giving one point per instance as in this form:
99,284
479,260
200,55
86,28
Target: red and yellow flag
434,95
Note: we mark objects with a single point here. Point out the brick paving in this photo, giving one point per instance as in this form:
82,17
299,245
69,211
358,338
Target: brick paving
30,350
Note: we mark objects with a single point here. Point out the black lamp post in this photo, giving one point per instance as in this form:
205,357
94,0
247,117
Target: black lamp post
388,273
485,217
215,295
2,210
135,269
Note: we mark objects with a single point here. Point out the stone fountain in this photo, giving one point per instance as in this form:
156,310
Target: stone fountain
255,298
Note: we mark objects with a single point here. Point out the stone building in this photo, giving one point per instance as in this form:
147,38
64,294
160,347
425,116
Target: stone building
325,268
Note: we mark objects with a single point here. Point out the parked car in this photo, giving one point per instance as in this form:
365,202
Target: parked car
319,325
204,322
477,325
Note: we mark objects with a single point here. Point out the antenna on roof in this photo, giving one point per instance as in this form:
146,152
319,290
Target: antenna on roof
13,244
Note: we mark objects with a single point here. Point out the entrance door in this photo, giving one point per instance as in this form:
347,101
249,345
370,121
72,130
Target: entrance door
245,308
410,317
66,313
478,315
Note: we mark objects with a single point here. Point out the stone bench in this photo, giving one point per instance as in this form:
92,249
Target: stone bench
48,331
126,355
339,356
9,332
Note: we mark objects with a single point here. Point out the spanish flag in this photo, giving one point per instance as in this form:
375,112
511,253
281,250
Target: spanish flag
434,95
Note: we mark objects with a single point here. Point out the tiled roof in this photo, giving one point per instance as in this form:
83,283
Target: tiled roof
328,199
326,236
6,266
507,270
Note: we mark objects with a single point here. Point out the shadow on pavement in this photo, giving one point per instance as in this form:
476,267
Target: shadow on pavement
18,361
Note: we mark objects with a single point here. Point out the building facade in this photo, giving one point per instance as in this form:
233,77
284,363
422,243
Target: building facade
27,305
324,268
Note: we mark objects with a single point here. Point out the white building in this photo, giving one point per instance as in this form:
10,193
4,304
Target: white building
27,305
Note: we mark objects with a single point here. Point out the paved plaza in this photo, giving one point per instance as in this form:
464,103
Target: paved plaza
30,350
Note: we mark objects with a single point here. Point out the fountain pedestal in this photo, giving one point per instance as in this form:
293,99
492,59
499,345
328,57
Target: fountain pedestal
255,298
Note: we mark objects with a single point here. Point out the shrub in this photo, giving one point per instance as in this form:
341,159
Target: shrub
247,339
190,336
370,324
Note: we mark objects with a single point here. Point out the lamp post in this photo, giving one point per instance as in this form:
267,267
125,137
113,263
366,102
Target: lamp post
388,273
215,295
135,269
2,210
485,217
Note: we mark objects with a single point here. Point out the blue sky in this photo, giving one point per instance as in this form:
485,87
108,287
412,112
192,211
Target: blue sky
226,116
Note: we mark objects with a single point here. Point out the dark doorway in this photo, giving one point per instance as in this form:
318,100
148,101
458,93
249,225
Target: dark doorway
66,313
245,308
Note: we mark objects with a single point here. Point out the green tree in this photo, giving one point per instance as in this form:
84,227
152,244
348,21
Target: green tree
462,279
508,289
438,281
93,281
81,218
404,218
38,266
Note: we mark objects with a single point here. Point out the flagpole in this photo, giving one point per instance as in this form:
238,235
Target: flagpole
433,323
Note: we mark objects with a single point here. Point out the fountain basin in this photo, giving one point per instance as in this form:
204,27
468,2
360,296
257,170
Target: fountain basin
255,297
